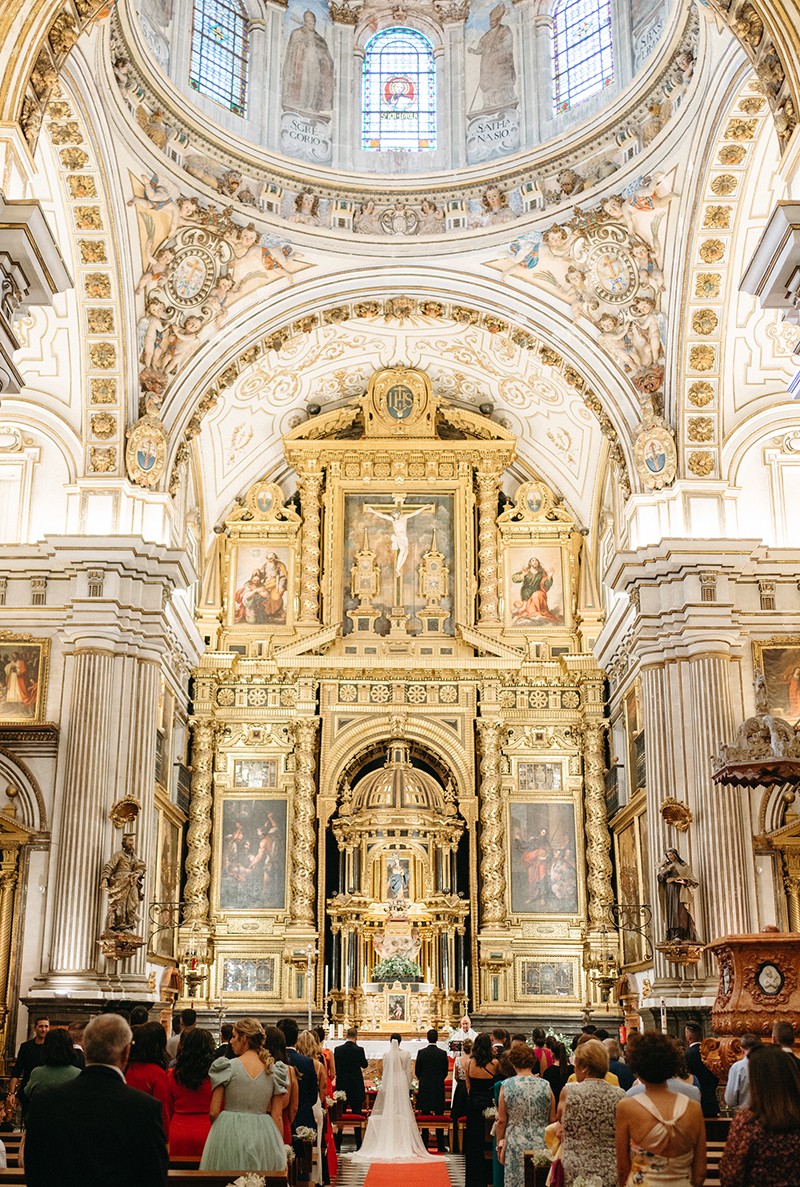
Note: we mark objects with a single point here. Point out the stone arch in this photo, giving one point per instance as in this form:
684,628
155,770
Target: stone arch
31,812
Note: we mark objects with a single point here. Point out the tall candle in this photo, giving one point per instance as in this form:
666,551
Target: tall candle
327,974
663,1017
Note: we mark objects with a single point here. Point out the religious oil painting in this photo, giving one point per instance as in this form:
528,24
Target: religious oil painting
23,679
253,866
544,879
395,535
780,663
396,1007
535,587
539,776
544,978
167,883
632,892
261,585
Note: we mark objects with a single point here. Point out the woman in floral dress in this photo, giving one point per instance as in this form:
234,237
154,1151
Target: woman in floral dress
587,1112
525,1107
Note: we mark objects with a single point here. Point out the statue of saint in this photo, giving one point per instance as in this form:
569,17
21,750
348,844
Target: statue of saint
307,79
496,52
678,881
122,879
398,880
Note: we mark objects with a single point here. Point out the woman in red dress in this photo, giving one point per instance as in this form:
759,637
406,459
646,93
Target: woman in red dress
147,1064
189,1094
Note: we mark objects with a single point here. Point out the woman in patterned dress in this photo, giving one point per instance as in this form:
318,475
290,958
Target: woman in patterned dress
587,1112
763,1145
525,1107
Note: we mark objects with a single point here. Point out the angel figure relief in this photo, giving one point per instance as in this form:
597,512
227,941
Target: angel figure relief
197,263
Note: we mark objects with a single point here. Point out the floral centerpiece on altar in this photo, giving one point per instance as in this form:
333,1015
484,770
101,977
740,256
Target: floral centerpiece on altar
397,968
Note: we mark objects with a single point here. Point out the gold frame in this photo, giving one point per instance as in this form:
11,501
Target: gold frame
245,997
776,643
334,562
547,799
550,956
534,760
169,816
13,642
221,798
633,815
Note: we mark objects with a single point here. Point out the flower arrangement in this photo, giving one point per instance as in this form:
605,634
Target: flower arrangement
304,1133
414,1085
588,1181
251,1180
328,1102
540,1157
490,1113
395,967
340,1095
289,1153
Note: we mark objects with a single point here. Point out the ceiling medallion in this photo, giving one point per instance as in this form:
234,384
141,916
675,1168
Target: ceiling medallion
146,451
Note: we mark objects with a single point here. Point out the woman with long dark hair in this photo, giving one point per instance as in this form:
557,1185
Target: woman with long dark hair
189,1094
147,1064
559,1071
764,1141
483,1071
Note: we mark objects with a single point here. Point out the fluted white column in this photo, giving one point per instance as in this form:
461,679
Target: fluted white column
84,807
660,782
141,783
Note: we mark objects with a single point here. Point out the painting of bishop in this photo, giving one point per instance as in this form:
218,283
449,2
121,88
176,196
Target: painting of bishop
261,586
535,587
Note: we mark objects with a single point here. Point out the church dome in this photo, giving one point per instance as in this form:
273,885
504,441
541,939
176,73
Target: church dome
398,786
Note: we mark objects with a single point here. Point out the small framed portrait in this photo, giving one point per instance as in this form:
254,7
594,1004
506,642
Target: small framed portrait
396,1007
23,678
779,661
261,585
535,586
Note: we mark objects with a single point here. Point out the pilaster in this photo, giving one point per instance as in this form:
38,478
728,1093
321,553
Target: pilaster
304,862
198,873
488,607
311,553
492,856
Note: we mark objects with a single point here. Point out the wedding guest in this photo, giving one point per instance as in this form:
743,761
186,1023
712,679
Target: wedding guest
763,1145
308,1045
543,1052
189,1094
737,1089
96,1129
621,1070
60,1064
559,1070
246,1106
224,1049
587,1112
783,1036
458,1109
307,1086
483,1070
147,1065
661,1134
29,1056
525,1106
706,1078
75,1031
186,1020
276,1045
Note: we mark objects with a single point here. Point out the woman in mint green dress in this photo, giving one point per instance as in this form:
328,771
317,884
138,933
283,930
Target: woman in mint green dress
249,1093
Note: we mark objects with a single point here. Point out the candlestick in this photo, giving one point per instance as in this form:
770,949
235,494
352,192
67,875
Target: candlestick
327,978
663,1017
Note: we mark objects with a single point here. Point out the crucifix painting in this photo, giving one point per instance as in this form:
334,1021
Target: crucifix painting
401,527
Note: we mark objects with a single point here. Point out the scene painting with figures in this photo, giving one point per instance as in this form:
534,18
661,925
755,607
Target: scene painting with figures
781,667
397,530
22,672
544,876
252,875
261,585
535,588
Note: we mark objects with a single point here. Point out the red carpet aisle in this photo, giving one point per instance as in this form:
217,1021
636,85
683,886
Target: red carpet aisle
447,1172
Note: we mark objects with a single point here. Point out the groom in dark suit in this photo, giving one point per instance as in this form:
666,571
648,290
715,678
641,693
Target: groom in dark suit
95,1129
350,1061
431,1071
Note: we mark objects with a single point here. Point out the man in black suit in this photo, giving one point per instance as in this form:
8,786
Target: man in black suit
349,1060
95,1130
308,1087
708,1081
431,1071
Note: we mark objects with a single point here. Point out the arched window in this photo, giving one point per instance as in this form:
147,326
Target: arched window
583,51
399,92
219,52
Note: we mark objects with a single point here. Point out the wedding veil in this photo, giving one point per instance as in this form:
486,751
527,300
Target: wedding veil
392,1134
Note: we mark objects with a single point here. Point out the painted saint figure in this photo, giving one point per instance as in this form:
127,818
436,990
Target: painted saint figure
122,880
679,883
398,517
534,582
307,79
496,52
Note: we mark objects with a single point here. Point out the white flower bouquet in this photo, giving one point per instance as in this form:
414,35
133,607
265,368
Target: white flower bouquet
251,1180
490,1113
304,1133
289,1153
340,1095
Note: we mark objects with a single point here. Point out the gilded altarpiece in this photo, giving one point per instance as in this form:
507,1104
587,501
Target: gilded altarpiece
406,733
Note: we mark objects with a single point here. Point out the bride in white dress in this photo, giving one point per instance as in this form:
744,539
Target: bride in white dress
392,1134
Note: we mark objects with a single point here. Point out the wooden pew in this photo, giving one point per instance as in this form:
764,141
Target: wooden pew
14,1176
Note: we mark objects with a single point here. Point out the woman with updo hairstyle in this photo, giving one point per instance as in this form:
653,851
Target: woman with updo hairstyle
587,1113
483,1072
525,1106
661,1137
249,1092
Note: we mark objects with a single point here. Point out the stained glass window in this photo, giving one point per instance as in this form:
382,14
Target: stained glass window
583,51
219,52
399,92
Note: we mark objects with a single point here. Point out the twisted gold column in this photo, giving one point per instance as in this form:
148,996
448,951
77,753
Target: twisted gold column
304,832
310,487
198,875
492,861
8,887
487,549
598,839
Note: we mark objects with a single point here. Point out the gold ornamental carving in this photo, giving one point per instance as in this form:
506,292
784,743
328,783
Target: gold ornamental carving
198,876
598,839
304,839
487,549
679,815
492,860
310,488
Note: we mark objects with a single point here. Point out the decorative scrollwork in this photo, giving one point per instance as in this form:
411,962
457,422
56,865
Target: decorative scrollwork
492,862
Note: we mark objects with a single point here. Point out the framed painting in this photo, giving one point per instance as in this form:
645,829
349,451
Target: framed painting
396,1007
393,533
534,585
261,585
252,855
545,978
23,678
539,776
167,885
544,878
779,661
255,772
